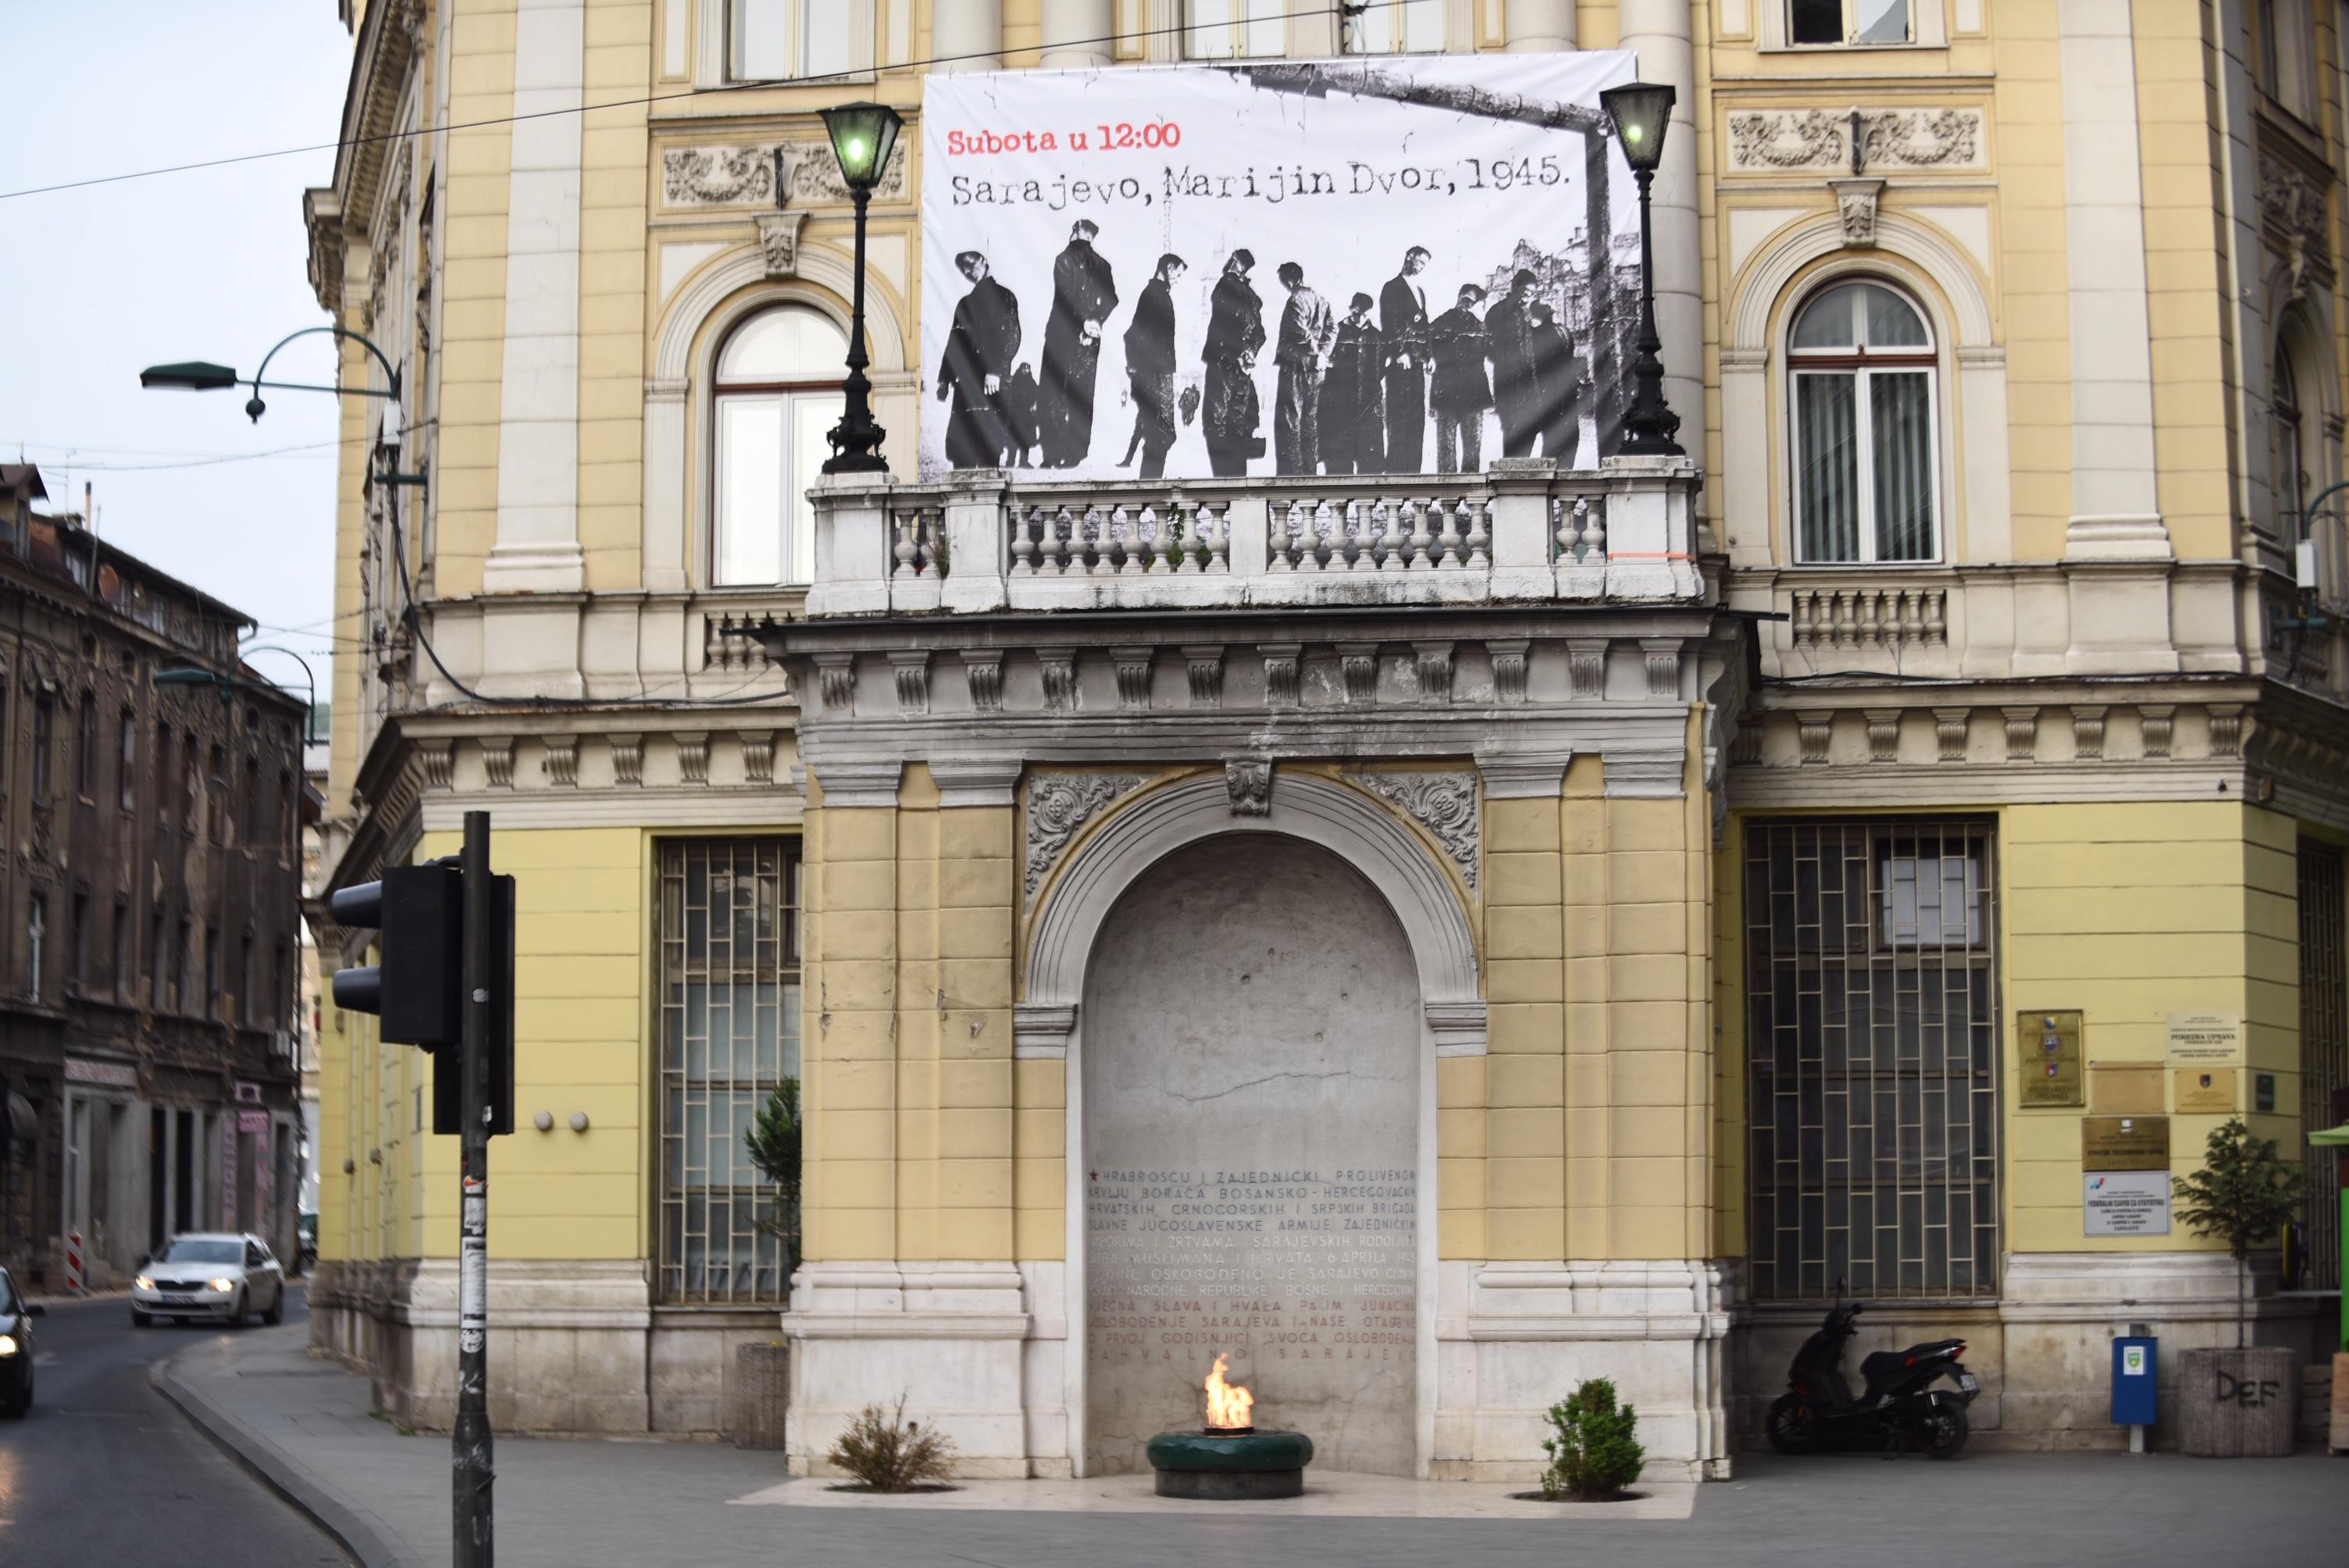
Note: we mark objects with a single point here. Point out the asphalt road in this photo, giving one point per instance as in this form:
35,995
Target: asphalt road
104,1470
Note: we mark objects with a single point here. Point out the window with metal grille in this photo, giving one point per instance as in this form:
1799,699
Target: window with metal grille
2323,1050
1872,1059
730,1032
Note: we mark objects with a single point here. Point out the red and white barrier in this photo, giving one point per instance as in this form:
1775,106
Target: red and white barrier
73,1259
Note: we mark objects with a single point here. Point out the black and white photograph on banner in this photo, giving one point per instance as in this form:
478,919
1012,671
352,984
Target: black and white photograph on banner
1279,267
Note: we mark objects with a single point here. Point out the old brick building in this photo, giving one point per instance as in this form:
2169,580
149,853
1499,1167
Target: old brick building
147,971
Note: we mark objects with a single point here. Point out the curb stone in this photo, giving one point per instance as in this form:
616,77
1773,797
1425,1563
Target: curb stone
353,1531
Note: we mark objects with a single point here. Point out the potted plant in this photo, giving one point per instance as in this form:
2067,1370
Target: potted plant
2239,1402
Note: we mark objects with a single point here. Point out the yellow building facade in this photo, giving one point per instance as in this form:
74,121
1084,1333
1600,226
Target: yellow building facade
1727,917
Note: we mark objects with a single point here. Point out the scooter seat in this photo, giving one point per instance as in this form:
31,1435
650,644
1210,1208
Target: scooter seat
1880,1365
1932,1347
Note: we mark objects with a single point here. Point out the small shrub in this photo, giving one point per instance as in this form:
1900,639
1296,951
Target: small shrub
885,1452
1594,1456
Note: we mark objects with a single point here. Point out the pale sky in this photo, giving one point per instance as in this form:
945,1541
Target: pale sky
208,264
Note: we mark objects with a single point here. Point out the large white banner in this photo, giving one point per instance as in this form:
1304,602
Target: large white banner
1407,265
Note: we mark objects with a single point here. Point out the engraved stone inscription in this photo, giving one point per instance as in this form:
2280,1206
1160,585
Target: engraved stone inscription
1250,1100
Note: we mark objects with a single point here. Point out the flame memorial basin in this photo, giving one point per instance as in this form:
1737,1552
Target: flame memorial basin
1231,1464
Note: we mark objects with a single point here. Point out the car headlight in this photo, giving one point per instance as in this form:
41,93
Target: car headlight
7,1345
223,1284
143,1283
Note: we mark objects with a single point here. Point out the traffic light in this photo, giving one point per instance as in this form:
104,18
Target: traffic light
418,986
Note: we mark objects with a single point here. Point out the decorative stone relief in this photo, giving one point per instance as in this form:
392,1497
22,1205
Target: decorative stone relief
1508,670
1249,783
1586,664
779,237
1133,676
1359,663
2226,729
983,670
758,755
1664,656
1281,676
2088,731
439,763
627,757
1433,661
911,670
1203,666
1787,138
1444,803
693,755
1883,734
1060,681
1950,729
2156,718
1855,201
1061,803
836,680
562,760
1816,727
2022,733
498,760
2294,206
737,176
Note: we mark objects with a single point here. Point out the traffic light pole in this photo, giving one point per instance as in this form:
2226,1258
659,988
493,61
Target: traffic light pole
473,1473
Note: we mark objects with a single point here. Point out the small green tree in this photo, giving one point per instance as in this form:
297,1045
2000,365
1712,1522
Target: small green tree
2242,1195
773,1142
1594,1455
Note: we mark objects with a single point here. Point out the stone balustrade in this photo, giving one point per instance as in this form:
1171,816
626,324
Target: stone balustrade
987,540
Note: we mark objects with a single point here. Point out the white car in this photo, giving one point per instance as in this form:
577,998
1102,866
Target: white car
209,1274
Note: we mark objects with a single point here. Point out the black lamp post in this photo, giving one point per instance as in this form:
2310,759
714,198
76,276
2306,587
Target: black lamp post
862,135
1643,112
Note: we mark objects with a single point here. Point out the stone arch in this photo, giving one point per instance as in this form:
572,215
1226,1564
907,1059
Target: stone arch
1923,260
713,298
1370,840
1361,830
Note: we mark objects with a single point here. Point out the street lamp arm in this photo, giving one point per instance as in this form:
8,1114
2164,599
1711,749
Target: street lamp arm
254,406
318,387
309,674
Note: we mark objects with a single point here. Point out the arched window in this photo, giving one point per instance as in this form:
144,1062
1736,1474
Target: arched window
2291,456
777,392
1865,475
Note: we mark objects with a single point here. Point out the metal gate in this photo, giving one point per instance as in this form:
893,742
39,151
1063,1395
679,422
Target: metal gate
1872,1058
730,1013
2323,1050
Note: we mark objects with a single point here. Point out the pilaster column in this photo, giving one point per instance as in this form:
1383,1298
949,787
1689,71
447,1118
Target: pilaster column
1540,26
1659,31
967,34
1076,34
537,548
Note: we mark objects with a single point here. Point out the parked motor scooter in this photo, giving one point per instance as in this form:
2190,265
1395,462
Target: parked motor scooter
1898,1404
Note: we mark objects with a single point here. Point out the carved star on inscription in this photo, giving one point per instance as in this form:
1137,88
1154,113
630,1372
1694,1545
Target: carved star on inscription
1092,1175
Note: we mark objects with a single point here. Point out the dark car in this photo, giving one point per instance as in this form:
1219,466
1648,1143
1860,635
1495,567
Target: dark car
17,1316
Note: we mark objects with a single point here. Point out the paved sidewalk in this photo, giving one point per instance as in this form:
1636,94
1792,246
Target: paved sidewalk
305,1425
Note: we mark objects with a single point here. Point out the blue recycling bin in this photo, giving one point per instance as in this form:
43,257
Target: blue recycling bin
2134,1361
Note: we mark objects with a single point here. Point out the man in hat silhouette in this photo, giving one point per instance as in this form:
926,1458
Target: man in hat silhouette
980,347
1353,398
1460,390
1083,294
1234,334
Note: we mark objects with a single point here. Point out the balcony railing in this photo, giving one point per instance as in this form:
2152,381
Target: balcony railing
987,541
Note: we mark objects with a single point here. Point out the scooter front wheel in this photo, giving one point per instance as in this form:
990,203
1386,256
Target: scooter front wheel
1943,1429
1792,1426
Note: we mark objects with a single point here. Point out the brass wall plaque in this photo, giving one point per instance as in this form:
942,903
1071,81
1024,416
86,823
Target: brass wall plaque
2205,1039
2047,1055
2125,1088
2124,1144
2201,1090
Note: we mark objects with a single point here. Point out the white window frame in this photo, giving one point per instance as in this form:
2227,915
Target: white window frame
1928,28
1239,25
1401,13
714,56
798,553
2288,57
1908,364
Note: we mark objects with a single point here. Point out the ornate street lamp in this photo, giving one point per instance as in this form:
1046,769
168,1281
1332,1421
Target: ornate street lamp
862,134
201,375
1643,112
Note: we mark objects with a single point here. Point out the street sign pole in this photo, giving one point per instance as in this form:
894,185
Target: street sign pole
473,1473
